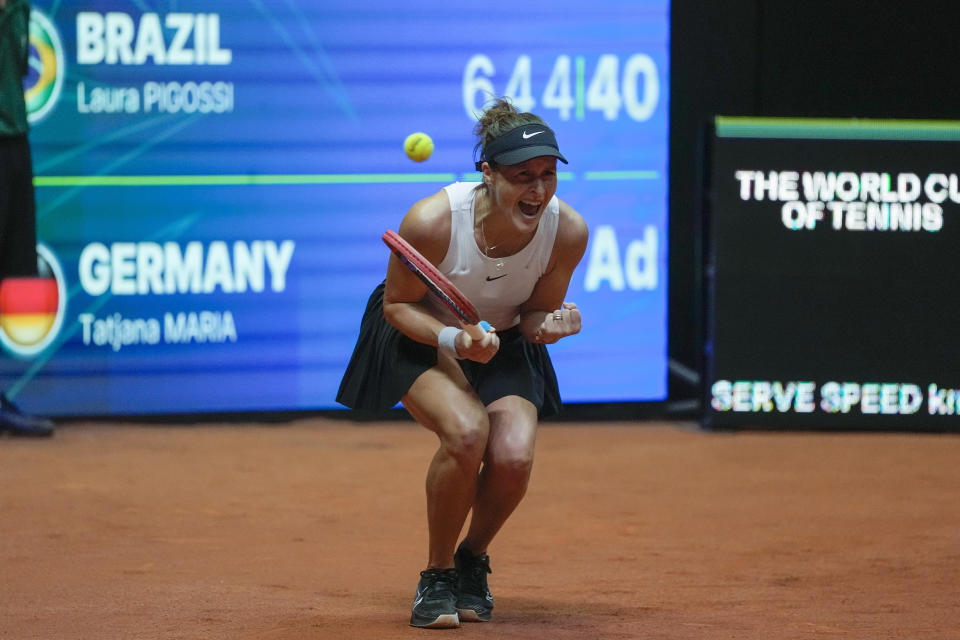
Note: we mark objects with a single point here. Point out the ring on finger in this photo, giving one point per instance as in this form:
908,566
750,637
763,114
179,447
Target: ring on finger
558,315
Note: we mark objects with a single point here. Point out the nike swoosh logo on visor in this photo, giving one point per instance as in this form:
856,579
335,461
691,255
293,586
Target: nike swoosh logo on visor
535,133
489,279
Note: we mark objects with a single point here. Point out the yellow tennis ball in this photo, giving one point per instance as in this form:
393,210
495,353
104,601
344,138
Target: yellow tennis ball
418,146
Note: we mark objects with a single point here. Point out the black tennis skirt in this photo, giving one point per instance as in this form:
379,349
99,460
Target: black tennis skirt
385,363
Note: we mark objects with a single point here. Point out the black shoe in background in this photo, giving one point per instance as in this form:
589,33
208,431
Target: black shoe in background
19,423
474,601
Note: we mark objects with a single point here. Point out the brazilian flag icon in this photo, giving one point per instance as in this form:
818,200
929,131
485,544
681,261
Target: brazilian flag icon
28,310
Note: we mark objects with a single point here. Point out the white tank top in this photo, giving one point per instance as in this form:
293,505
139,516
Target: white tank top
496,286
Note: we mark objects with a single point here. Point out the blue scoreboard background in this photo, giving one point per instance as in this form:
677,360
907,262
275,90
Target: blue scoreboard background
213,179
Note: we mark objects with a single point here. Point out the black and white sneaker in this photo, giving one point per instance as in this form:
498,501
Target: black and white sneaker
474,601
435,606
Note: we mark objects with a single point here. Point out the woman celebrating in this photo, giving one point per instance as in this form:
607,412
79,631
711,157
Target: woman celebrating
510,245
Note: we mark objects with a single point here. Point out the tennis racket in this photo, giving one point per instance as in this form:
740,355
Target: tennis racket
438,285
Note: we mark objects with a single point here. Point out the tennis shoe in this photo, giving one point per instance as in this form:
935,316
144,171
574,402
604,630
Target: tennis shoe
474,601
18,423
435,605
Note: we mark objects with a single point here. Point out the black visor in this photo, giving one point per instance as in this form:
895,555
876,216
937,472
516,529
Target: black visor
520,144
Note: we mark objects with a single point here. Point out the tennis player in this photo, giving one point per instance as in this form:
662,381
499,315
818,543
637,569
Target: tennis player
510,245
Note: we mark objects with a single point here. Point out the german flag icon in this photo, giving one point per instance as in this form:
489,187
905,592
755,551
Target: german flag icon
28,309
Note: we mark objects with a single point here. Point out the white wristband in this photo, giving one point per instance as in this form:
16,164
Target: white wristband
446,341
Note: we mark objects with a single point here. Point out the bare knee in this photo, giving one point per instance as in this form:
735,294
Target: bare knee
511,463
443,402
464,437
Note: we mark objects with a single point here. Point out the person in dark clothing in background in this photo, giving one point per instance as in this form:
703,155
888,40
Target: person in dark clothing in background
18,225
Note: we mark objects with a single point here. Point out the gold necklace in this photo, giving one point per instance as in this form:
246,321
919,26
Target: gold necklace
487,249
483,234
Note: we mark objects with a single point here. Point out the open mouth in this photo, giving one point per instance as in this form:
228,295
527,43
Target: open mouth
529,209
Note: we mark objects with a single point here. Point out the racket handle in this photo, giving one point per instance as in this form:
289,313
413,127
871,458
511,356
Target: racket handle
477,331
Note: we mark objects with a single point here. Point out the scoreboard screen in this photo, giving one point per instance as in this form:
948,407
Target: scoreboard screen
213,178
833,278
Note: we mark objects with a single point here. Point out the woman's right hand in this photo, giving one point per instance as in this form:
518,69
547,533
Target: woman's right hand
478,350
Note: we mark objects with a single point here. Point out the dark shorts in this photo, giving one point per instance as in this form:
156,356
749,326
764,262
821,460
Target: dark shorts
385,363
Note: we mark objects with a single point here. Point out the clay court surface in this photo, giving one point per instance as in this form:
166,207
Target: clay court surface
315,529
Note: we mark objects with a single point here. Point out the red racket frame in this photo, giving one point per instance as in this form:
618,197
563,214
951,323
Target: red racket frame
437,283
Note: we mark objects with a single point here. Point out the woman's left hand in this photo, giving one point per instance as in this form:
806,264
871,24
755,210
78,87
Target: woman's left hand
563,322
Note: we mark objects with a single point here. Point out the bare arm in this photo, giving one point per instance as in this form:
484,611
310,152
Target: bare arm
427,227
545,317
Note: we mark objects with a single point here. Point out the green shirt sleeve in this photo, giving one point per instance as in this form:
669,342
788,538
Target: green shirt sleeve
14,60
